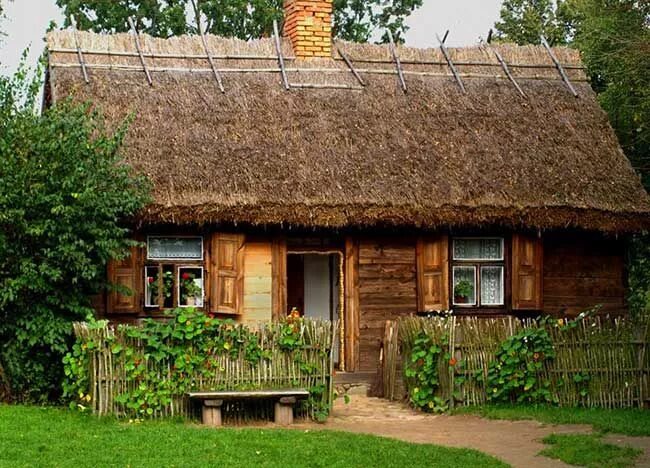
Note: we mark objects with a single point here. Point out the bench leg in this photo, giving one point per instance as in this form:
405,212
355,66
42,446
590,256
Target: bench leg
284,411
211,414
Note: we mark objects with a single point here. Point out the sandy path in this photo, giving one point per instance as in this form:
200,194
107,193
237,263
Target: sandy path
515,442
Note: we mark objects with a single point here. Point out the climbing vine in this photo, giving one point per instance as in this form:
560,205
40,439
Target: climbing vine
515,374
164,359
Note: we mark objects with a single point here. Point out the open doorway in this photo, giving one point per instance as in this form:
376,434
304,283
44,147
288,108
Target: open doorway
314,287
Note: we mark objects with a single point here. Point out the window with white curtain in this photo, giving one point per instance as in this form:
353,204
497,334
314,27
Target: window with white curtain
478,272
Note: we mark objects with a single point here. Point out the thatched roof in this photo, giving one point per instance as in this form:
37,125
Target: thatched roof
334,157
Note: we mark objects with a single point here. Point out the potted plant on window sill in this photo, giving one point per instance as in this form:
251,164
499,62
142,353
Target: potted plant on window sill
190,290
462,292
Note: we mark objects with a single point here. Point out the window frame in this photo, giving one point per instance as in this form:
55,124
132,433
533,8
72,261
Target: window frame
174,264
178,285
478,307
176,259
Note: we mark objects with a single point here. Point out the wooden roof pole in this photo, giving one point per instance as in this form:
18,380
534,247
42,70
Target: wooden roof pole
506,70
348,62
215,71
136,36
559,67
80,56
398,63
452,67
278,49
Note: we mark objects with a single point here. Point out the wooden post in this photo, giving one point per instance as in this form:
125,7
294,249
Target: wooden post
506,70
80,56
348,62
211,414
559,67
351,322
284,411
216,73
396,59
452,67
139,49
278,49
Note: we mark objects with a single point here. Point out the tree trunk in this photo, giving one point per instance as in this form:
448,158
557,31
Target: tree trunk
5,387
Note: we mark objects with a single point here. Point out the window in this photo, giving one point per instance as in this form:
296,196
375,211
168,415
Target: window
174,274
478,273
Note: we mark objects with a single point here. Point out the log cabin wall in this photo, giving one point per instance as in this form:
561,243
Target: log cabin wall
583,270
387,290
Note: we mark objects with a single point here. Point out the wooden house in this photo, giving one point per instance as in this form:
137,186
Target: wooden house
359,182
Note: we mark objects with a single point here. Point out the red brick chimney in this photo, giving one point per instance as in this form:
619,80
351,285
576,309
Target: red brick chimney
308,25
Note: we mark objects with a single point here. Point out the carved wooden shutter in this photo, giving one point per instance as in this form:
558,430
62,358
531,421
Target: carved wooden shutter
125,274
433,273
227,284
527,255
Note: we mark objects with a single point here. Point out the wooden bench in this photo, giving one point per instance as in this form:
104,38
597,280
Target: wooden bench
284,403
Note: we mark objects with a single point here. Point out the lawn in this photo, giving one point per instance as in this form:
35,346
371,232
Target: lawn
633,422
589,451
31,436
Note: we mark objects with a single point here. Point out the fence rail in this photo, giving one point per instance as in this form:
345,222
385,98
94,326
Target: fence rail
307,367
612,353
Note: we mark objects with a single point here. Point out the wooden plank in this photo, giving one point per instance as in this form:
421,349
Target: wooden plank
80,56
324,86
396,60
348,62
215,71
451,65
506,70
559,67
244,394
278,49
136,37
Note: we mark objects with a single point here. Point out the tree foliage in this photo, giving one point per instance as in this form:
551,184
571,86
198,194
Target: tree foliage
613,37
354,20
62,189
524,21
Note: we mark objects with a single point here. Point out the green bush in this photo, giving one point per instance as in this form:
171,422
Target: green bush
514,375
63,192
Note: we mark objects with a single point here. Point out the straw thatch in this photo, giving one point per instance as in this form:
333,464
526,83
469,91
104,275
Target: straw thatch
329,157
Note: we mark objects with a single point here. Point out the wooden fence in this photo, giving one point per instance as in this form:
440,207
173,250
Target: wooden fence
612,353
308,367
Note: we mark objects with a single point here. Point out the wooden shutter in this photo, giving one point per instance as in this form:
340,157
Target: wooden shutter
527,255
279,278
124,274
227,270
433,273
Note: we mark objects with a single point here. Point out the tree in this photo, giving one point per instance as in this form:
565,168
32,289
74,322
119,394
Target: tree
524,21
63,188
354,20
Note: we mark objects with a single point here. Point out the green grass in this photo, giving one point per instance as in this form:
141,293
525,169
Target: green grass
588,450
31,436
632,422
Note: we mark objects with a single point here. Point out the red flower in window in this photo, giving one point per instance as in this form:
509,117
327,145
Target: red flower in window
150,279
185,276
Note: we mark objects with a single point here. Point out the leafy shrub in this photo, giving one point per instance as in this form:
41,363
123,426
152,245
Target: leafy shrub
514,375
63,188
422,367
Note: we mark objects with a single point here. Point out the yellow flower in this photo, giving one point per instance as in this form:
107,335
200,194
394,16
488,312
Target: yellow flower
560,322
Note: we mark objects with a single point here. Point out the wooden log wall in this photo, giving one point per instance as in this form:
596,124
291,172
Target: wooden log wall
387,290
581,271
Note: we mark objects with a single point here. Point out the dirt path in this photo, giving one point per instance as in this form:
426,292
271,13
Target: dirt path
515,442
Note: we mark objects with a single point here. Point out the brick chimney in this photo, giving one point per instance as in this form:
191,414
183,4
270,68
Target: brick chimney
308,25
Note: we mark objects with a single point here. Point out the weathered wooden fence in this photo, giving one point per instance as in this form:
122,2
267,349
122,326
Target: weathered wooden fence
308,367
613,353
